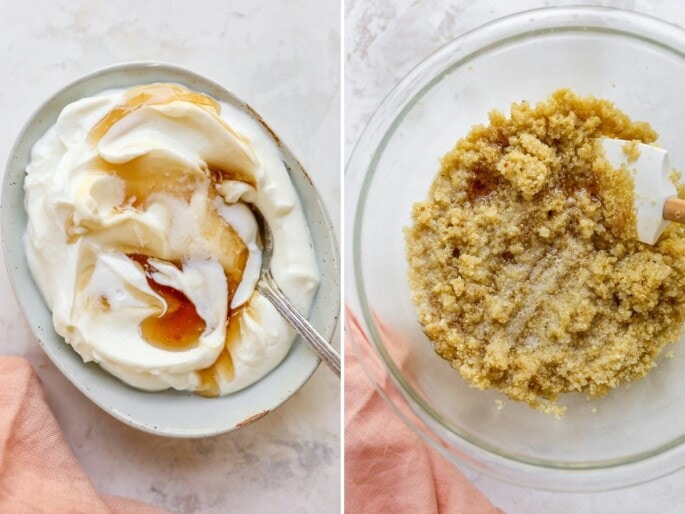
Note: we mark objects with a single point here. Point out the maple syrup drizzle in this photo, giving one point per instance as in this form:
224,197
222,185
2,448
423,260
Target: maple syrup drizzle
179,327
141,175
233,252
142,178
211,376
143,96
218,175
161,94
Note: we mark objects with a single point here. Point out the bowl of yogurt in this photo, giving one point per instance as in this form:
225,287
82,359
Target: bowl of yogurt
133,252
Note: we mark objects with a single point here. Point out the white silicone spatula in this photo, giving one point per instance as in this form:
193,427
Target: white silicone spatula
656,198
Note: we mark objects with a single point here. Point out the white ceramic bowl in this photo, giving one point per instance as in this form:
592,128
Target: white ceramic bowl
169,413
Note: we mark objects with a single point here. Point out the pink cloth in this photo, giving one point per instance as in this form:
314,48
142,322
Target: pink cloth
38,472
388,468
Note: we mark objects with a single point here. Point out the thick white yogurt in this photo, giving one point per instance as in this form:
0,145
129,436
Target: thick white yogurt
139,185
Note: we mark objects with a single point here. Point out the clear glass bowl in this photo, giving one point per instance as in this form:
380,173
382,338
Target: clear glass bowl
635,433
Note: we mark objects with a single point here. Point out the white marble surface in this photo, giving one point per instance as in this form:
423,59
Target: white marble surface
383,41
270,54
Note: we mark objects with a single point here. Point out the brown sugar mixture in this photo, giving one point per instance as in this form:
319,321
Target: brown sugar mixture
524,264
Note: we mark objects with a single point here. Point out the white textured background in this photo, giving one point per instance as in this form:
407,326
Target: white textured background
283,58
383,41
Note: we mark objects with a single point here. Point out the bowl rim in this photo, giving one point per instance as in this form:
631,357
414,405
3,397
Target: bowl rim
329,246
359,174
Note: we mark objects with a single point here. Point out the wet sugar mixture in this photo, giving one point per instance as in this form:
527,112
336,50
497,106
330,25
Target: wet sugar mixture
525,267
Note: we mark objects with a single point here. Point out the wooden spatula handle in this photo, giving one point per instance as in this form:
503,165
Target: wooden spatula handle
674,210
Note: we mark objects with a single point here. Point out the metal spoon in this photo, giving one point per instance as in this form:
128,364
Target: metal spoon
268,287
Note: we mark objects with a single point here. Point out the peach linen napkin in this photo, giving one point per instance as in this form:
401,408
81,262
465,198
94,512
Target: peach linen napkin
38,472
388,468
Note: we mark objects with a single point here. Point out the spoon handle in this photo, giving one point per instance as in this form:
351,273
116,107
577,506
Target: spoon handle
674,210
268,287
